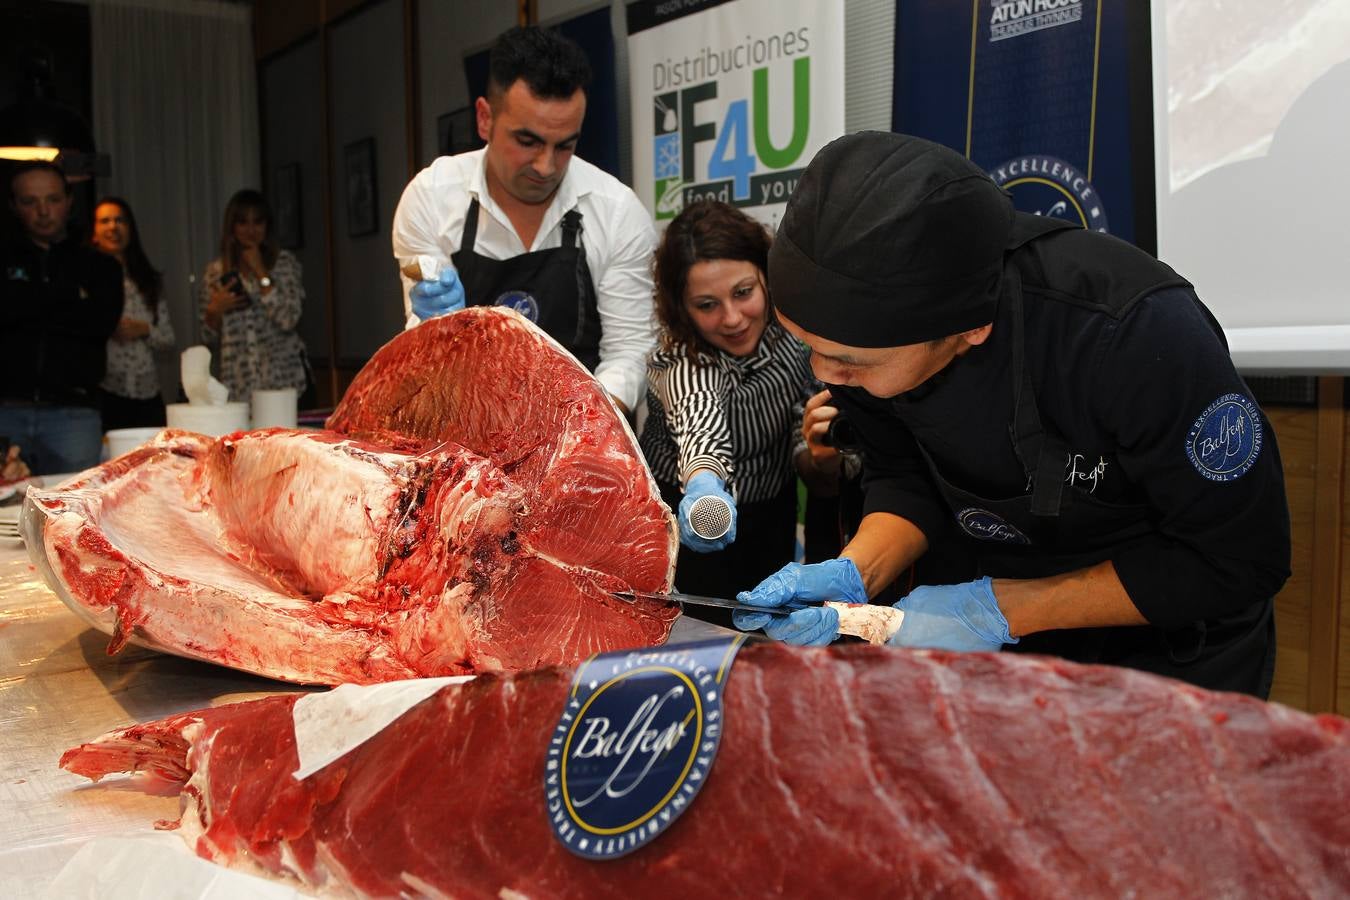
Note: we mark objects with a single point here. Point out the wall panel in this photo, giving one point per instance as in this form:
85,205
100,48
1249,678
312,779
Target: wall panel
366,93
292,128
446,31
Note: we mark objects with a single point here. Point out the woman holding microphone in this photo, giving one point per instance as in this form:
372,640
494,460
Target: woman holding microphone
726,388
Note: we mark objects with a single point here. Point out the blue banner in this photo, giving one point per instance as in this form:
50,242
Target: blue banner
634,744
1051,97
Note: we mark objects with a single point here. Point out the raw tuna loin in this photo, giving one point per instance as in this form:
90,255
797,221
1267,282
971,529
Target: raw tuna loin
848,772
485,502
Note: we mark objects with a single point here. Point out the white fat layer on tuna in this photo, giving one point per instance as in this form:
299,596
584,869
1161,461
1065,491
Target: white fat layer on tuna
288,490
197,787
235,610
332,724
422,888
472,505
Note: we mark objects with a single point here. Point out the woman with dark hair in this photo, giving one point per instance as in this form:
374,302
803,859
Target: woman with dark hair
129,394
252,297
726,387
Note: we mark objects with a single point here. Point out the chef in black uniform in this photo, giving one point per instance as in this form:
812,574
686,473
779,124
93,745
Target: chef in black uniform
1049,418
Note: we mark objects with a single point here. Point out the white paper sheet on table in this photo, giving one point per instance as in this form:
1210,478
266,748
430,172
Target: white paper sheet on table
330,724
156,865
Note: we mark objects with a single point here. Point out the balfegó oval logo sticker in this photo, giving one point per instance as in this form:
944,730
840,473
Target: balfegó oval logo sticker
634,744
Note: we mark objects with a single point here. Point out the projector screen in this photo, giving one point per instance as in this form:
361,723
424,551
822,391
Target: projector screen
1252,127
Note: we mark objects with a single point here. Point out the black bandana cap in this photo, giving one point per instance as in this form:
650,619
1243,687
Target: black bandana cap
890,240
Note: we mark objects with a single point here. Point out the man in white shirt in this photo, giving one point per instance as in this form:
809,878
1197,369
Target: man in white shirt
525,224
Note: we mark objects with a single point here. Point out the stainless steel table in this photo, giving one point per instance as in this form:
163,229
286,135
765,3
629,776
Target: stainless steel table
58,688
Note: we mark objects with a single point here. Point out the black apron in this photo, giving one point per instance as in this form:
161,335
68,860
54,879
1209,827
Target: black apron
552,288
1057,528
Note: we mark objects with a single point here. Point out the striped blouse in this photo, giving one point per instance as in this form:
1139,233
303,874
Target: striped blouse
738,416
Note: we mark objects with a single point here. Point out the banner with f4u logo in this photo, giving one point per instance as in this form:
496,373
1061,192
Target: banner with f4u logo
731,99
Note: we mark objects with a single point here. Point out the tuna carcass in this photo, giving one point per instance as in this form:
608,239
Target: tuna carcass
476,499
848,772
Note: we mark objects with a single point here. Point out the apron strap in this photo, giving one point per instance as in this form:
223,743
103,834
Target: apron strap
571,227
470,226
1042,455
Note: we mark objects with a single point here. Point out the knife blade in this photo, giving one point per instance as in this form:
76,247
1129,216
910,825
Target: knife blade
697,600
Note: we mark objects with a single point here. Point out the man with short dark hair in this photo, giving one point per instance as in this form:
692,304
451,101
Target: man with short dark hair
523,223
1050,410
59,303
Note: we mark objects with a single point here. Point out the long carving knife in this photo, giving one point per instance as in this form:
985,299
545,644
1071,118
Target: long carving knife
697,600
874,624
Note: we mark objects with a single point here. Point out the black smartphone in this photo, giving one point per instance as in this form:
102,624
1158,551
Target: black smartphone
235,285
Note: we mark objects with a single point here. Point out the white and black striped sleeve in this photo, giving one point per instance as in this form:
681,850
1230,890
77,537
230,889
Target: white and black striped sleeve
694,397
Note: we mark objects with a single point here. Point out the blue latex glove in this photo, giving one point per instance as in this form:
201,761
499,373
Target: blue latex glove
834,579
436,298
703,484
953,617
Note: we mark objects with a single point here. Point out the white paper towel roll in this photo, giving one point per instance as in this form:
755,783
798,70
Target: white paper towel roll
124,440
206,419
275,409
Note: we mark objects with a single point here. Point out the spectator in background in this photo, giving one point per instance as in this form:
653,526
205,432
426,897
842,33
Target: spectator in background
59,303
252,297
726,388
129,394
524,223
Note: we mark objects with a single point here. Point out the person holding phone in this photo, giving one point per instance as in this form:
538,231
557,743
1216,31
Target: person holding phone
252,297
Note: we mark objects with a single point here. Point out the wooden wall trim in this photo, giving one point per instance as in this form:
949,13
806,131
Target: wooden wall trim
412,88
1324,614
279,25
326,171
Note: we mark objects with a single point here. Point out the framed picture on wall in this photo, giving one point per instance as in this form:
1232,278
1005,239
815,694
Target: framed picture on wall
362,208
457,132
286,206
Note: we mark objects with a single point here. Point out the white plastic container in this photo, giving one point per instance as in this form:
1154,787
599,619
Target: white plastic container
212,421
275,408
124,440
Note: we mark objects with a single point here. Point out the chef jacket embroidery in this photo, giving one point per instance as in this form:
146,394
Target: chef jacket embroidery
1225,440
1081,472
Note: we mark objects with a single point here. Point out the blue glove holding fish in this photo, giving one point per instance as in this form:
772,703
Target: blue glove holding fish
834,579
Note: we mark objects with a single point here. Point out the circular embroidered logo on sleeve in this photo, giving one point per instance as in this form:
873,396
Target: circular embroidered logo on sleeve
522,302
986,526
1225,440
